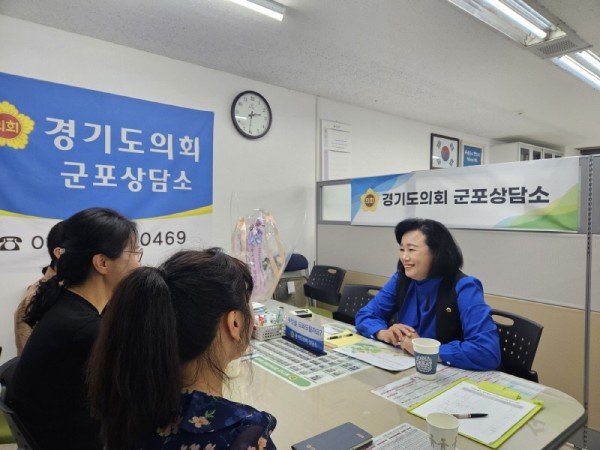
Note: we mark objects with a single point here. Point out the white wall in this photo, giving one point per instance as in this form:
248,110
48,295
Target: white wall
383,144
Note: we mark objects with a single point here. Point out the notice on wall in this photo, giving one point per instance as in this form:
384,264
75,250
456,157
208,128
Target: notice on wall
336,150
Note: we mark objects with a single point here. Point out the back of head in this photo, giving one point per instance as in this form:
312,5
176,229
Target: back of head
205,285
85,234
447,257
158,320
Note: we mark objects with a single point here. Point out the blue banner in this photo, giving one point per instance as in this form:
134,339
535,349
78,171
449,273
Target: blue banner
64,149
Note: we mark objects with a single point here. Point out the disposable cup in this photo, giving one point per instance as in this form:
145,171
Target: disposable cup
443,431
426,357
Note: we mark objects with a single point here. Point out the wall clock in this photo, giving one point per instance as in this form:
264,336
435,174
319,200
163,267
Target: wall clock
251,114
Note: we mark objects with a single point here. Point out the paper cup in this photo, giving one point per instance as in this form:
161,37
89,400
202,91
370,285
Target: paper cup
426,357
443,431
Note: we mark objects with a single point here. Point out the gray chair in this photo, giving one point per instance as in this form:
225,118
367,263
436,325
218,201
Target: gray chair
19,431
354,297
519,339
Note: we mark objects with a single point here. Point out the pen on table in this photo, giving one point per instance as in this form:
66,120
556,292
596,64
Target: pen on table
469,415
339,336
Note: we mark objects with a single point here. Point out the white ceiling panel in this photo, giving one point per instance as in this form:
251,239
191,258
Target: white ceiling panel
421,59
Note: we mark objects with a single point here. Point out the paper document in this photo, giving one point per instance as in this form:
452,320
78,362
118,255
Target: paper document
402,437
409,391
379,354
505,415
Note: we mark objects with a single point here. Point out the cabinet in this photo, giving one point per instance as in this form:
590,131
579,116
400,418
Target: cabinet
521,151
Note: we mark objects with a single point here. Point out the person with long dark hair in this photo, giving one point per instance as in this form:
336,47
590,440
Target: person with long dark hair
48,392
157,370
430,297
23,329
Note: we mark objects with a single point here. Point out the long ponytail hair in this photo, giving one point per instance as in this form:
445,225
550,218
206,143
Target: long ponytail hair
158,320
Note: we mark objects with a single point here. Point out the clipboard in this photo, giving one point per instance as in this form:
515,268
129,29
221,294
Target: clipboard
495,397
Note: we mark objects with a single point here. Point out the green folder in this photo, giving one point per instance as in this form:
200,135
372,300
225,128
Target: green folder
494,388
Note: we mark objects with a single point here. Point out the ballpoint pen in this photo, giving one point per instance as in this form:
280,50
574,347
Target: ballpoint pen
339,336
469,415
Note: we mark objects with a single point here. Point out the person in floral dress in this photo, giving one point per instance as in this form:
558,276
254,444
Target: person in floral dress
157,370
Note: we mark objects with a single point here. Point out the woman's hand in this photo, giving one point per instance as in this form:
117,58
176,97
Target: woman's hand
398,335
407,345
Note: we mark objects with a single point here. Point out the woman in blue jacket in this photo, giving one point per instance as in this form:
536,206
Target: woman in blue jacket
430,297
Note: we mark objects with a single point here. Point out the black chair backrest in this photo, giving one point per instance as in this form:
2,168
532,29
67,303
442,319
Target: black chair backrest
354,297
519,339
324,284
19,432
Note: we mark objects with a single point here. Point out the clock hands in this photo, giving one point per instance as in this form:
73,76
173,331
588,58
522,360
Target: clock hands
251,115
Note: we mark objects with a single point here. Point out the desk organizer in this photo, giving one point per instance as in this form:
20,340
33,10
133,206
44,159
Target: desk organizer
267,332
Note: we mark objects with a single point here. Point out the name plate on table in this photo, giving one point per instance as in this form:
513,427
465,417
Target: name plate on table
305,334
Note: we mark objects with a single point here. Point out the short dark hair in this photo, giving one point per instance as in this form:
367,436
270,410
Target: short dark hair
84,234
157,320
447,257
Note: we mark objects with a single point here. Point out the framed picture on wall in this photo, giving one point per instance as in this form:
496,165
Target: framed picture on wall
444,151
472,154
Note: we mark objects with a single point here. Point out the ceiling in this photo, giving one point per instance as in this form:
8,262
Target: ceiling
420,59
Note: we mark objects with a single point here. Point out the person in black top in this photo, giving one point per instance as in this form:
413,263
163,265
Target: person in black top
48,390
22,329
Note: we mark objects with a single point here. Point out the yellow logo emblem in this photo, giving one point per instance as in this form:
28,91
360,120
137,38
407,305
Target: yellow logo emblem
369,200
14,127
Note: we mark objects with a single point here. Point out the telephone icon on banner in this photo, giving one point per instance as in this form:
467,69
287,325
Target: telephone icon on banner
10,243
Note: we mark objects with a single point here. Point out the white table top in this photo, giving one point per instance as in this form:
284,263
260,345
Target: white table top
304,413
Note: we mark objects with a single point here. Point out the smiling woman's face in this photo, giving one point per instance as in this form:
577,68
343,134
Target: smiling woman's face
415,255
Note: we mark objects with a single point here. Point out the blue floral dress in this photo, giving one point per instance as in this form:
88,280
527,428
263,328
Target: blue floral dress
214,423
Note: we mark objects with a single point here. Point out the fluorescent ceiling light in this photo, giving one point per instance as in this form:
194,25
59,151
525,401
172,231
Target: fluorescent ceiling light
532,26
584,65
514,18
591,60
518,17
267,7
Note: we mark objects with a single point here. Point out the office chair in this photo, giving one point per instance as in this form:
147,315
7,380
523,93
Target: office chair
297,262
296,271
323,285
21,435
519,339
354,297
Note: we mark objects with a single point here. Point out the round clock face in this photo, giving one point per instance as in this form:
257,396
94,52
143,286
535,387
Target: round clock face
251,114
